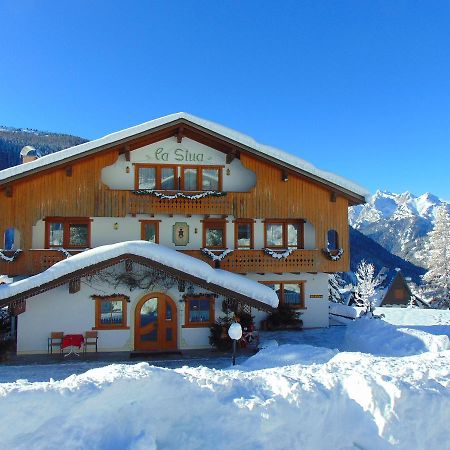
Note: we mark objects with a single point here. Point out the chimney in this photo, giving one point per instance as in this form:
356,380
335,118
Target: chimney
28,154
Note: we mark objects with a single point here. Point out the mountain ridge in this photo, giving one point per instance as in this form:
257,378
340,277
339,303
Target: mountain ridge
398,222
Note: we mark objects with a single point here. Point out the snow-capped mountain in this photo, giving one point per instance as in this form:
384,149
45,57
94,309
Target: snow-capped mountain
398,222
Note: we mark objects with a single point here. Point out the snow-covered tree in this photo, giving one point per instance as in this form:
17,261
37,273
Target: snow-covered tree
412,302
335,283
367,283
437,278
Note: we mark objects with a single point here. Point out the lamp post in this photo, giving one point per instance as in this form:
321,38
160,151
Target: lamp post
235,333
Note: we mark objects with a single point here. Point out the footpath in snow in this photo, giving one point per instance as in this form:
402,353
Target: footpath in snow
386,385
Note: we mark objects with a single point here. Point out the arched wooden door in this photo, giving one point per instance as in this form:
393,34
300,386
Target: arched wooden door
155,323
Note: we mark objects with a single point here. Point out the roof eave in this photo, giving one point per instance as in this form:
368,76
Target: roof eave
66,278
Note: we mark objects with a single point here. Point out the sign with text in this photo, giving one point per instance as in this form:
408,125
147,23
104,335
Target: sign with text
169,151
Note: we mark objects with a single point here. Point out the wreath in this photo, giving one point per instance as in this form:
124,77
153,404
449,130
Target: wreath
335,254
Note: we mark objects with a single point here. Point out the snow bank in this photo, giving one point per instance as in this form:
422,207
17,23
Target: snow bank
214,127
350,401
341,310
379,337
155,252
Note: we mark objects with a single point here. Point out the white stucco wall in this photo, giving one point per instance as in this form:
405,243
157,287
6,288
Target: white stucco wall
188,152
103,231
57,310
316,313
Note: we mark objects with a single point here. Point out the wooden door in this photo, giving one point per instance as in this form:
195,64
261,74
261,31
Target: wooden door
155,323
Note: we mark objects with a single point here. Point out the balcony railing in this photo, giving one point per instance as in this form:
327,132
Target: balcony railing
239,261
243,261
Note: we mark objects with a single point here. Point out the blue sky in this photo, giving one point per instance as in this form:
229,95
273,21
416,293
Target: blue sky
360,88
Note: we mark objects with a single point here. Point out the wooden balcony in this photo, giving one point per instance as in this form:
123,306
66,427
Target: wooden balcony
243,261
240,261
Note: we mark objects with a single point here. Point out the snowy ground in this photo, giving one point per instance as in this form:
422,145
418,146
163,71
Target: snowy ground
375,384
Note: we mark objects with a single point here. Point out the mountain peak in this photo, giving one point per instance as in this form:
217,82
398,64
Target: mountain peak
398,222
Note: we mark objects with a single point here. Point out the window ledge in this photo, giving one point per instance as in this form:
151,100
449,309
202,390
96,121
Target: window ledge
202,325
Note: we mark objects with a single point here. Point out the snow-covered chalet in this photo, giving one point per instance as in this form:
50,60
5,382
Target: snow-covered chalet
142,234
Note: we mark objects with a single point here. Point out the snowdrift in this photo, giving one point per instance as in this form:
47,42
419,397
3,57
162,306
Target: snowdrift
286,396
352,401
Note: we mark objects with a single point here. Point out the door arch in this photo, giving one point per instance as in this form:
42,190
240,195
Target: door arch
155,323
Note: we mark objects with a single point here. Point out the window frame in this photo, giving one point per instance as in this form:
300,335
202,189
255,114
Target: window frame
179,176
300,283
285,222
158,173
220,223
219,182
67,222
98,311
212,302
336,238
250,222
145,222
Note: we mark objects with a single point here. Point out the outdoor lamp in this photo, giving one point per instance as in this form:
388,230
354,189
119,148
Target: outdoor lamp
235,333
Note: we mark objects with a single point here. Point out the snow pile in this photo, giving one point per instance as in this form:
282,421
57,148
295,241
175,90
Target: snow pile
378,337
350,401
341,310
154,252
240,138
286,396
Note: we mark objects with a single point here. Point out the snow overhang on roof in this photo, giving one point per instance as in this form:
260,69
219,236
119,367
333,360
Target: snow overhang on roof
168,260
240,140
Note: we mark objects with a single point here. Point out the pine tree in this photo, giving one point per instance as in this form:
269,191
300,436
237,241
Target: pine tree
365,289
437,278
335,283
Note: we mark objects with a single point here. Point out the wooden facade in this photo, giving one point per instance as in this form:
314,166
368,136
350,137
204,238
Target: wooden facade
75,189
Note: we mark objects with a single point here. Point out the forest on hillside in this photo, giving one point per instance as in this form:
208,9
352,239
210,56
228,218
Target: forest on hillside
12,140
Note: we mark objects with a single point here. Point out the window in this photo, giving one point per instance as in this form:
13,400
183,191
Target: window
283,233
67,232
165,177
150,231
332,240
198,178
243,234
190,179
156,177
11,239
399,294
290,293
210,179
199,311
214,234
111,312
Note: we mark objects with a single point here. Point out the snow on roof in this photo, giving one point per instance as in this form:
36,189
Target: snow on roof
154,252
229,133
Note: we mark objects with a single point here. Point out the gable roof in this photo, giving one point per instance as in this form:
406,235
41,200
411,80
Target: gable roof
242,141
172,262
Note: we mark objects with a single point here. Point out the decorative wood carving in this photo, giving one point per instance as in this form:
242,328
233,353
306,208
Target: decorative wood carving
180,134
74,285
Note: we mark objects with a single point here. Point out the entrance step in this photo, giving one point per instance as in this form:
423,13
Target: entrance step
153,353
